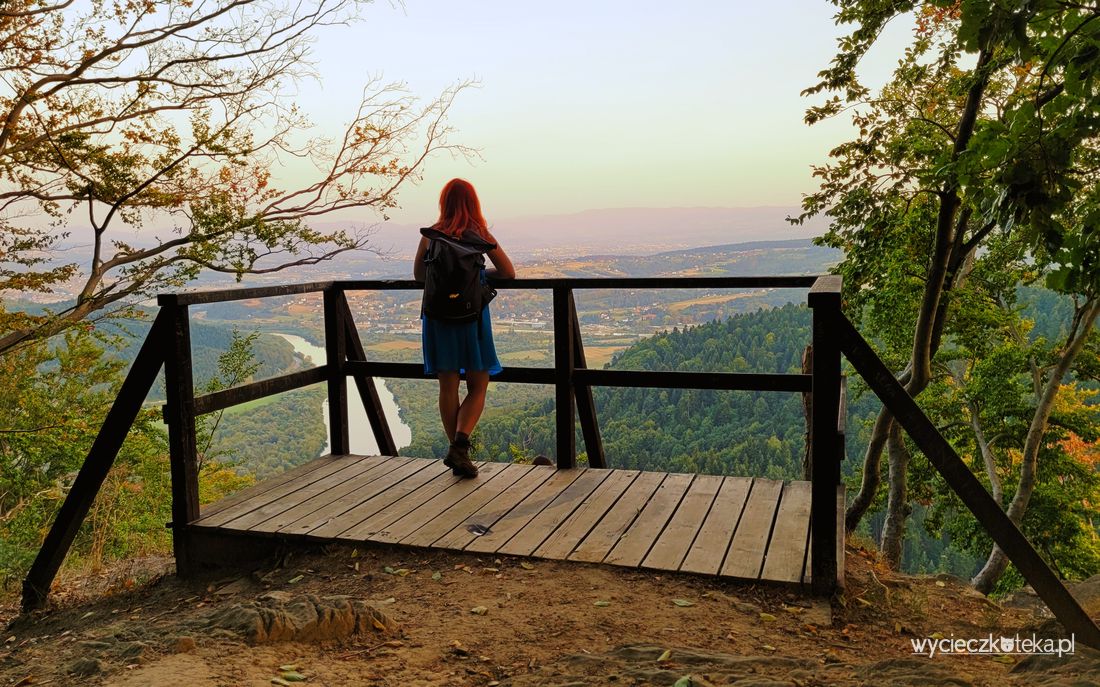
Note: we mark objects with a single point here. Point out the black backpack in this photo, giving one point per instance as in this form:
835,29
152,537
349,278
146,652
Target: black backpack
453,291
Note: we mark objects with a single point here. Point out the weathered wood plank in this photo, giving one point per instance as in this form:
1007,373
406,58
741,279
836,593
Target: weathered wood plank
635,543
671,547
488,515
369,528
746,553
534,533
607,531
335,524
446,521
787,547
513,521
372,480
305,493
709,548
282,491
266,485
354,492
429,509
562,542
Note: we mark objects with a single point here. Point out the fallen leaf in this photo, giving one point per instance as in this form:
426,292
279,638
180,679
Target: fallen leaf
29,680
378,624
937,635
767,647
863,601
479,610
388,601
665,656
293,676
437,576
295,580
290,667
526,566
355,553
941,583
602,604
793,610
685,681
402,572
1004,658
683,603
394,643
280,681
494,570
388,570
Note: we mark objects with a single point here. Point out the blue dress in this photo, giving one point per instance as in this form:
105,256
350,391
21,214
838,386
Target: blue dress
464,346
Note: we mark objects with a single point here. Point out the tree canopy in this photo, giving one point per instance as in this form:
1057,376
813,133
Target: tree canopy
170,119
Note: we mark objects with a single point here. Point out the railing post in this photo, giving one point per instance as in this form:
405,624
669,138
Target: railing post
824,299
336,354
179,413
564,401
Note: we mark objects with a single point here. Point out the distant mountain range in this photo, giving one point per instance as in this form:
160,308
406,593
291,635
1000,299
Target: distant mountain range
606,232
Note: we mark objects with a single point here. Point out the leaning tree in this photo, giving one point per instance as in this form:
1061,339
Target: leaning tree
986,131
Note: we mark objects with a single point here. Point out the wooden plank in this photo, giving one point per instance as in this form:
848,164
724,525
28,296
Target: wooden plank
671,547
747,282
354,492
369,528
516,518
534,533
728,381
223,295
635,543
824,299
335,358
335,524
223,517
577,526
445,521
564,401
208,403
709,548
369,481
179,414
304,493
840,534
787,548
266,485
428,510
607,531
746,553
488,515
101,456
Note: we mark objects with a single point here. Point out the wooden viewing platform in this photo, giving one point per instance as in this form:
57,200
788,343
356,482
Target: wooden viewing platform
743,528
733,527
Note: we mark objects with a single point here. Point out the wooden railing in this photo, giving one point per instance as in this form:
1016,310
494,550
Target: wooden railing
169,344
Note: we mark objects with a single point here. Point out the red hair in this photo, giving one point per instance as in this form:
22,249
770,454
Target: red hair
460,210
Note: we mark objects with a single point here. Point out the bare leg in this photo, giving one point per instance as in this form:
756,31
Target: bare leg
477,382
448,402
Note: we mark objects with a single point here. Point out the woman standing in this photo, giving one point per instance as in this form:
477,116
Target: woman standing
452,349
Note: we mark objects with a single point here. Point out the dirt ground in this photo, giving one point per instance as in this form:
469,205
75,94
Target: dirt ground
465,620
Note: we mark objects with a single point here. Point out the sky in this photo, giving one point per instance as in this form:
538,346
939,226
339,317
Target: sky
606,104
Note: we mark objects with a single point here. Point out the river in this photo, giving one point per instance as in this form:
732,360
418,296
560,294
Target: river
361,438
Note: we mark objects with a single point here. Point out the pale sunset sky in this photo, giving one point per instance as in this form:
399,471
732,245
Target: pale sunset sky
607,104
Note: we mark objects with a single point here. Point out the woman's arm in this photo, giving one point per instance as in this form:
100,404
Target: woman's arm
418,262
502,265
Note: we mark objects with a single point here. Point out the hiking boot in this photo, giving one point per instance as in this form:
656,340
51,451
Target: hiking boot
458,460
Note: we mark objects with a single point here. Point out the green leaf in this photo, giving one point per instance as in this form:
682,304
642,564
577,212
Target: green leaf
683,603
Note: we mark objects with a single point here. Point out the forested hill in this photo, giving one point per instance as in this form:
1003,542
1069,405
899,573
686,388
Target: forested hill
685,430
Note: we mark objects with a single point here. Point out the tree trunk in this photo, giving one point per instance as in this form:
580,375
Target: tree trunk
947,256
1083,321
897,508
